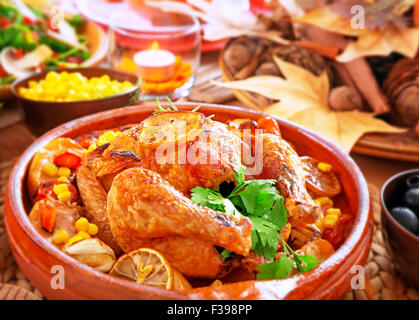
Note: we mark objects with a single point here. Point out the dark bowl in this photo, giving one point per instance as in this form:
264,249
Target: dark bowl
330,280
41,116
403,244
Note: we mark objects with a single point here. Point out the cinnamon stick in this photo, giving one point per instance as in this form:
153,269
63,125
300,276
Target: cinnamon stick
364,79
322,49
345,78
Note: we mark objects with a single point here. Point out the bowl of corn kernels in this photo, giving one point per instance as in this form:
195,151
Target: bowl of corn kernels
51,98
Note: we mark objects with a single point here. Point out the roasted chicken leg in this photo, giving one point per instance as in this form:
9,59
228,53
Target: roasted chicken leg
142,206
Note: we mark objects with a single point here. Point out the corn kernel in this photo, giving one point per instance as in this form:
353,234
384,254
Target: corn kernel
92,147
64,196
323,201
60,188
73,86
335,211
79,236
320,224
60,236
64,172
50,169
63,179
82,224
216,283
325,167
330,220
93,229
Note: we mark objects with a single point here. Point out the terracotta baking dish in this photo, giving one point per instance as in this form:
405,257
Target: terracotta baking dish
330,280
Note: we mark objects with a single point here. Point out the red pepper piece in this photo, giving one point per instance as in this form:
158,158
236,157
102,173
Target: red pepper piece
68,160
336,235
180,78
74,59
3,72
18,53
47,189
28,21
49,214
4,22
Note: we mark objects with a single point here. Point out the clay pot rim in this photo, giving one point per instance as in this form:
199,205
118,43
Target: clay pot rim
394,223
17,183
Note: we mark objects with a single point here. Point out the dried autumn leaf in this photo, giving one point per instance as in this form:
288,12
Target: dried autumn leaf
325,18
378,14
304,100
383,43
369,42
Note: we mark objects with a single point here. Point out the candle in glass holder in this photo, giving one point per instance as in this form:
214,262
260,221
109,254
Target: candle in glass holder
155,65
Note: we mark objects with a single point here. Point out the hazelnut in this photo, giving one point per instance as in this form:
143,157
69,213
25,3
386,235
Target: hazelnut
344,98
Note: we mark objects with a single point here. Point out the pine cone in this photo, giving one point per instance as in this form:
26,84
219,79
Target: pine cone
402,89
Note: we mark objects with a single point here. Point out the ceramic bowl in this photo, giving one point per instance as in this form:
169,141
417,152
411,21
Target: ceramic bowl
330,280
97,46
403,244
41,116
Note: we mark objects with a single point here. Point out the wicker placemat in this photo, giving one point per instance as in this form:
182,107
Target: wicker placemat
383,282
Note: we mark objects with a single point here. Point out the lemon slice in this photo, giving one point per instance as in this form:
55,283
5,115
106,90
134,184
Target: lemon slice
182,126
148,267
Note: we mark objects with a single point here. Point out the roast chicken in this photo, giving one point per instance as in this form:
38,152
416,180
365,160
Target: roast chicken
137,188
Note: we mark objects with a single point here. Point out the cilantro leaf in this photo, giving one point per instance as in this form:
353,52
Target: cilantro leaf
278,269
240,170
225,254
214,200
305,262
278,213
264,237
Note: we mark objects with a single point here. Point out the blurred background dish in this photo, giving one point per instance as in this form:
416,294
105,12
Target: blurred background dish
41,115
41,40
163,49
400,227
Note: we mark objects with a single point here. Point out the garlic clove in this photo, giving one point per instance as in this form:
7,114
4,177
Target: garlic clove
92,252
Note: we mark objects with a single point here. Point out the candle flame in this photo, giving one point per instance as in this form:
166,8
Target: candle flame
154,45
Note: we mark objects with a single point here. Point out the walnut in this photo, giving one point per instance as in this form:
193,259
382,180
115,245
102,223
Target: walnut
268,68
239,53
344,98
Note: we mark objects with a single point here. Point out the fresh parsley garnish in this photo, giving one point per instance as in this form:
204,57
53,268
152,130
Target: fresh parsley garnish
225,254
282,267
172,107
278,269
257,199
261,202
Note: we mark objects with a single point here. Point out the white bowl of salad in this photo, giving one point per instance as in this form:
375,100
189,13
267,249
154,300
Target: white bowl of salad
33,40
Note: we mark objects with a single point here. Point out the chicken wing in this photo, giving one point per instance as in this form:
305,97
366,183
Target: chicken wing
94,199
282,163
142,206
94,178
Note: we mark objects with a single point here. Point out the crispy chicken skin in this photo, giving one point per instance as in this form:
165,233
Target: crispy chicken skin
94,198
143,206
282,163
209,157
94,178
